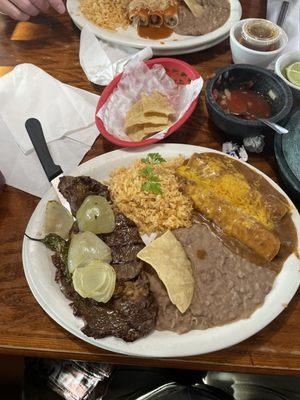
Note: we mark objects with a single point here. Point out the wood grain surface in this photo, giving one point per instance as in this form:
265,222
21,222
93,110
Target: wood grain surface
52,43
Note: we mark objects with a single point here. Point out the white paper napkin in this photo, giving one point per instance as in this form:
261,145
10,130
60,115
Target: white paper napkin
30,92
102,61
24,171
291,24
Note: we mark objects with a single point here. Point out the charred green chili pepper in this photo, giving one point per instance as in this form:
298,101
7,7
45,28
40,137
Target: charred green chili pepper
55,243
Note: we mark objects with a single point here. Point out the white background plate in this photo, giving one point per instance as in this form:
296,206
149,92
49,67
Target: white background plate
175,44
40,272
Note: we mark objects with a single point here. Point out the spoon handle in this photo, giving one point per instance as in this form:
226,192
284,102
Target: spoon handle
279,129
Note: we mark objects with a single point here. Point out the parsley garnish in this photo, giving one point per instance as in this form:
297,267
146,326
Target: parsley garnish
153,187
147,171
153,178
153,158
152,183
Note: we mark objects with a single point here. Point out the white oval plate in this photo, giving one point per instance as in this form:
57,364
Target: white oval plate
40,272
189,50
171,44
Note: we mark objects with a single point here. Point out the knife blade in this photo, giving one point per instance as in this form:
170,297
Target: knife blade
53,171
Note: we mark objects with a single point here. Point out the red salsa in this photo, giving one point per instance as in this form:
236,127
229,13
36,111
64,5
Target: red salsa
246,104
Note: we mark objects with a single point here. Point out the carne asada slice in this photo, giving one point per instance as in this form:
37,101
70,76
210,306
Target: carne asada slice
131,312
125,242
125,254
128,271
125,232
76,188
129,315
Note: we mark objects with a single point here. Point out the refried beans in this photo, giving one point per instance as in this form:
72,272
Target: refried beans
215,14
227,286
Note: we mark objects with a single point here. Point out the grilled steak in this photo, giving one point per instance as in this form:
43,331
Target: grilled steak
125,254
131,312
125,242
125,232
129,316
76,189
128,271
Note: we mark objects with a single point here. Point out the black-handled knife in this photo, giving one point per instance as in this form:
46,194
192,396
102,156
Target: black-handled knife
36,134
53,171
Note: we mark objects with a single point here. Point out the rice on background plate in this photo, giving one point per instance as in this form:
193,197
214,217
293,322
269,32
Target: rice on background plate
107,14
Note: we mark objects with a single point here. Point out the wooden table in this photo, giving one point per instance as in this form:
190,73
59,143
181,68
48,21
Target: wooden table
52,43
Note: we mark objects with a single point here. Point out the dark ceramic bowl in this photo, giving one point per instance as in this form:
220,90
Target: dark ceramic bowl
287,150
277,92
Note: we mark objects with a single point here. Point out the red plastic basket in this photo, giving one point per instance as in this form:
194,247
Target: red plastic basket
181,72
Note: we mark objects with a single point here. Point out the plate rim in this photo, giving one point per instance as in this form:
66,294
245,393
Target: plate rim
140,43
128,348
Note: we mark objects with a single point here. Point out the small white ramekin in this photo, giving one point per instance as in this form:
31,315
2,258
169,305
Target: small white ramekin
243,55
284,61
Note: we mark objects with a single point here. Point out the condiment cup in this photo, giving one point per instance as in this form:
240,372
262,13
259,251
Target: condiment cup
243,55
284,61
262,81
256,42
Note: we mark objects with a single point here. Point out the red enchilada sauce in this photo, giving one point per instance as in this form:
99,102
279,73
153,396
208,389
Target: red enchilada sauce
245,104
154,32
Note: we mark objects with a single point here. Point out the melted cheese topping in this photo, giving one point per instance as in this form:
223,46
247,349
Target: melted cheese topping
220,177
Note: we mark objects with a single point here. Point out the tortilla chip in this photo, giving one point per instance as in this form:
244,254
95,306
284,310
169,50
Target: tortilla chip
135,109
135,113
137,137
156,103
139,132
135,116
136,133
156,114
167,256
138,124
154,120
152,128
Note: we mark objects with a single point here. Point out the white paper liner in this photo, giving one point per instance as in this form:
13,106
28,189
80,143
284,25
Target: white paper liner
136,79
102,61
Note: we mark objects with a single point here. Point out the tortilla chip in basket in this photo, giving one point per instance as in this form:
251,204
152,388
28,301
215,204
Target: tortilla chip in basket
156,103
135,116
140,132
149,115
